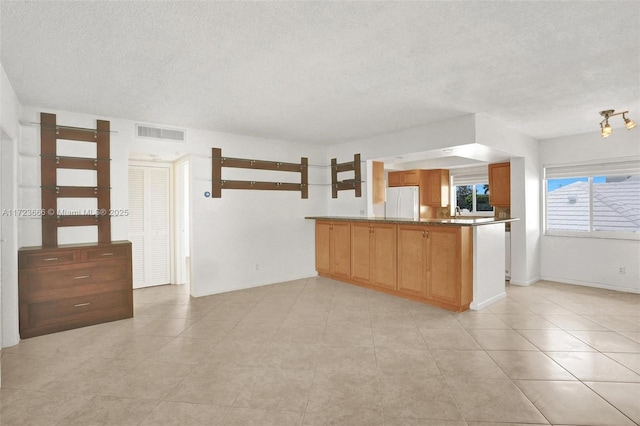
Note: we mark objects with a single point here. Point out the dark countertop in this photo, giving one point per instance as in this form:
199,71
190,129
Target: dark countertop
464,221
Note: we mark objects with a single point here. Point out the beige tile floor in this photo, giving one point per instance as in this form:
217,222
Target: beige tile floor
318,352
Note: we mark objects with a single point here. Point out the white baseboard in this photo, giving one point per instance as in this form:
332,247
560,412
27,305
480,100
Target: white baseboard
477,306
10,340
244,287
526,283
593,284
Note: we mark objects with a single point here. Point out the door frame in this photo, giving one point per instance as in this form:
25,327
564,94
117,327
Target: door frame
171,208
9,335
181,277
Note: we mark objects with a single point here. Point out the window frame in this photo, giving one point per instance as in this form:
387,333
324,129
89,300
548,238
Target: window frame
454,197
588,170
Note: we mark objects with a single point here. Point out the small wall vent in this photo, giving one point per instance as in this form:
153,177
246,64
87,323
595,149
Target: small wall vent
176,135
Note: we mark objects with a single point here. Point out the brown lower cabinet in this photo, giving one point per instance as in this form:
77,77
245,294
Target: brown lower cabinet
73,286
333,246
373,254
435,263
430,264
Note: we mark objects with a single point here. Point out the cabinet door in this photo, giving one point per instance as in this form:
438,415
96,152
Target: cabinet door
361,252
396,178
411,178
384,255
341,250
377,169
323,247
404,178
443,264
500,184
435,187
411,260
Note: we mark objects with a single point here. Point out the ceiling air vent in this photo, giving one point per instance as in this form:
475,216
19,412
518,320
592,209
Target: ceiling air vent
151,132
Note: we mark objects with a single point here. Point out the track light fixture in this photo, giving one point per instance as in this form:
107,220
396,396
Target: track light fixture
605,127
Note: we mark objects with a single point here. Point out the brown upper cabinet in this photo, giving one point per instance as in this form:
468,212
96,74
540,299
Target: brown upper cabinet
378,182
404,178
500,184
434,187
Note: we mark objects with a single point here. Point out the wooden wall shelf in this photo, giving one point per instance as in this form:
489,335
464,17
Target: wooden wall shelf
78,163
50,162
76,191
218,184
347,184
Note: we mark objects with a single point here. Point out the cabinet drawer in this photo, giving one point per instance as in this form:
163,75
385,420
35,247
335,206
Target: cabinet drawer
52,258
105,253
76,308
74,280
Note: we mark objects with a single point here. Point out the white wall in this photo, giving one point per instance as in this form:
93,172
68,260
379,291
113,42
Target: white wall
10,110
488,269
591,261
250,238
245,238
525,195
10,107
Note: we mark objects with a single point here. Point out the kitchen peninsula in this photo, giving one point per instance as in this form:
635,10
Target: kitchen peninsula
452,263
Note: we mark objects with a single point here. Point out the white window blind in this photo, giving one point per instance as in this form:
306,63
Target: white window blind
618,167
469,177
599,199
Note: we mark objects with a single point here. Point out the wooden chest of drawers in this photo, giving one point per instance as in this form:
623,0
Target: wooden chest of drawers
73,286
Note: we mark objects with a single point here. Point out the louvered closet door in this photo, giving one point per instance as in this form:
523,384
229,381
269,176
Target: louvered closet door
149,225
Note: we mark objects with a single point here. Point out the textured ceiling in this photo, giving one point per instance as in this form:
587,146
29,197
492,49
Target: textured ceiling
327,72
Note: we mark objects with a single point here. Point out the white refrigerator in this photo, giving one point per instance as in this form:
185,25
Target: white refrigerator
403,202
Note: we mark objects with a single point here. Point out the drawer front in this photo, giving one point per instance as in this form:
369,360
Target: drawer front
74,280
77,308
48,258
106,253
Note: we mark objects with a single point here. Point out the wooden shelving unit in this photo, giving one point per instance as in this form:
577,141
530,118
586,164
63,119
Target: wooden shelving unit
218,184
355,183
50,162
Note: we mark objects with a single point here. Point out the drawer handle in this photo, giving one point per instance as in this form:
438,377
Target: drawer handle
81,304
107,254
81,277
50,259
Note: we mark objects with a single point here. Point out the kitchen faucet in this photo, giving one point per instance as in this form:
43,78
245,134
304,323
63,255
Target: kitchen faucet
458,212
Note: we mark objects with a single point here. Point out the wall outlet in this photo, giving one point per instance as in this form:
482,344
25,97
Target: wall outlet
622,270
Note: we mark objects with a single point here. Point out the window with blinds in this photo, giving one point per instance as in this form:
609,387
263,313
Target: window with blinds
471,191
593,199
